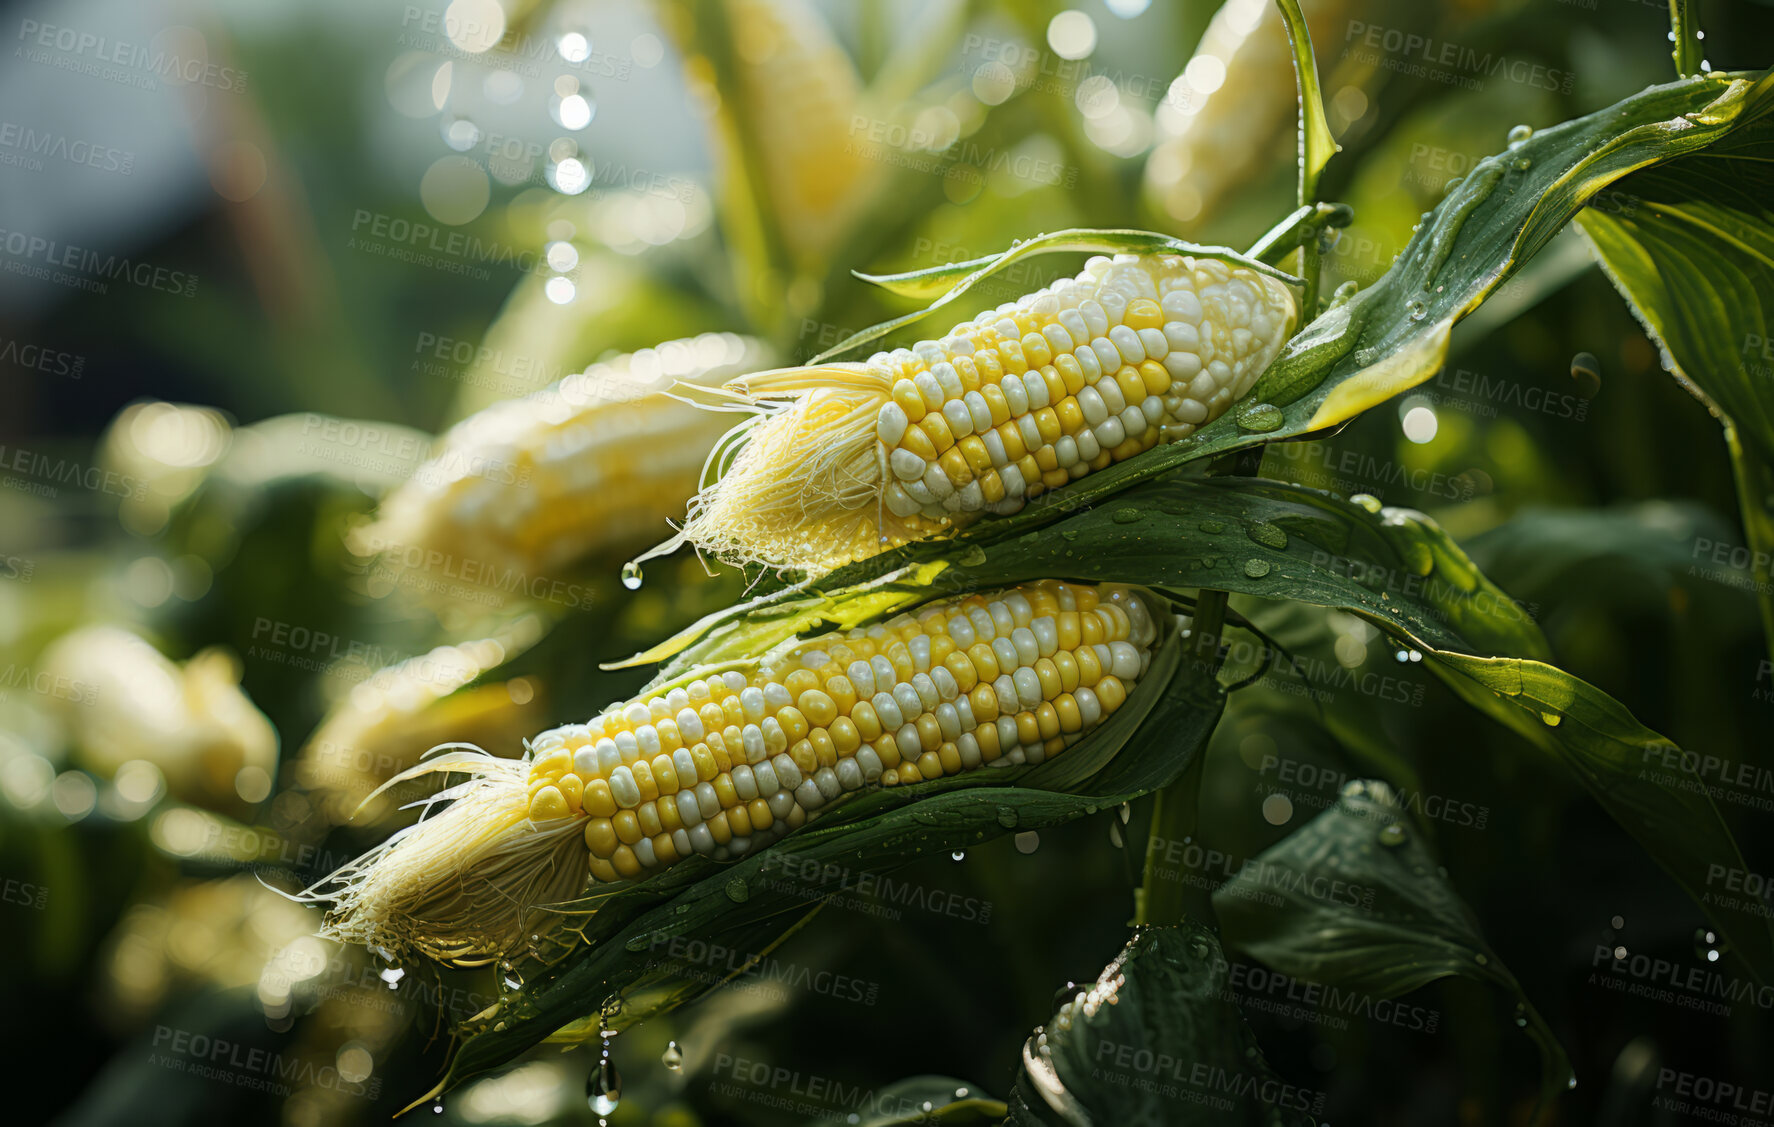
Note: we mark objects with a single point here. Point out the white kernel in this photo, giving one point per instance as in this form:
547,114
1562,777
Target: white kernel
979,414
911,705
707,799
628,746
1126,663
1190,411
948,379
684,764
643,852
910,746
947,688
1073,322
1046,633
775,739
677,700
782,804
808,796
1108,357
1095,410
788,776
680,838
1133,421
1028,650
764,775
925,686
1014,485
1007,734
848,774
689,726
1181,304
624,789
1066,451
906,465
862,677
776,697
1002,619
1110,433
1096,321
887,710
964,712
960,419
970,498
1127,343
1004,650
948,720
869,762
751,739
1058,338
745,785
960,631
585,763
919,648
983,626
1036,390
689,809
751,702
1113,400
899,502
1090,710
1004,687
1089,364
1088,448
1030,432
938,482
994,444
1182,366
884,674
969,749
702,840
1016,396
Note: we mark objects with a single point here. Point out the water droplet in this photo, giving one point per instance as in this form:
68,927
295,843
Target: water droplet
958,855
1393,835
1211,527
1587,371
1007,817
1522,164
1452,184
631,575
514,981
737,891
1115,835
1260,417
1416,310
673,1058
603,1088
1126,812
1480,959
1126,516
1367,501
1256,569
1268,535
1520,134
974,556
437,1106
1707,945
1028,841
1617,922
1551,719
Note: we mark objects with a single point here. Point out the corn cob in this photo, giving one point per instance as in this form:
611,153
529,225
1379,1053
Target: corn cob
534,484
1227,111
727,761
192,721
846,459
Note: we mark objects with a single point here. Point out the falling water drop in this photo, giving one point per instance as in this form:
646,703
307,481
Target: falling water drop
673,1058
1707,945
437,1106
1115,835
958,855
603,1088
631,575
1028,841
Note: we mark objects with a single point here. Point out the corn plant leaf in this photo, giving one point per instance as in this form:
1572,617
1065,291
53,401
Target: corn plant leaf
1354,900
1596,738
1317,145
657,944
1690,246
1170,1048
940,1100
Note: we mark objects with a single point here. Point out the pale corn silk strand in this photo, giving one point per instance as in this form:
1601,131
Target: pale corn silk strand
727,762
843,460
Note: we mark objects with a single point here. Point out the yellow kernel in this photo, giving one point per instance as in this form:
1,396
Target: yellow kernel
1010,354
1132,388
627,826
996,403
799,682
984,702
950,758
720,828
739,819
1047,423
1101,462
844,736
804,757
986,735
552,765
1065,706
887,750
573,790
603,871
1053,479
794,724
1111,692
597,800
717,749
734,713
1056,384
1092,629
819,708
1046,720
973,449
960,666
1068,670
929,732
1027,731
824,750
643,779
1067,627
954,464
937,427
868,725
991,487
600,837
1155,376
1085,597
1012,437
991,369
985,663
626,864
1071,376
1047,462
548,804
842,693
905,393
1090,670
1036,350
1048,674
941,645
918,443
903,668
665,774
759,812
725,794
665,851
1071,416
647,814
669,818
964,368
1143,313
669,737
1126,449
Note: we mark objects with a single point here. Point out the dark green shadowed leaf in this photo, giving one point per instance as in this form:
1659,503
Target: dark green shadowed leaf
1645,782
1690,246
1353,900
927,1100
1155,1041
654,946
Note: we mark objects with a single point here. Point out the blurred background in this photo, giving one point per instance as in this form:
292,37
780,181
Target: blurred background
331,337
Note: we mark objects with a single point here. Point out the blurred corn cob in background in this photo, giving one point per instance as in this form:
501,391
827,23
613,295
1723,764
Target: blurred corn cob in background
728,760
529,487
192,722
844,459
1233,106
386,722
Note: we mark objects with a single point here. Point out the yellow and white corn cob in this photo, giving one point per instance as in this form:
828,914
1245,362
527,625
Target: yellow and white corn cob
723,763
192,721
596,461
845,459
1228,110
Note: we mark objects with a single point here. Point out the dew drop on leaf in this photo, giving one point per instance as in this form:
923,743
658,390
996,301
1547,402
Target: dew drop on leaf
631,575
1393,835
1126,516
1520,134
1256,569
1367,501
1260,417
